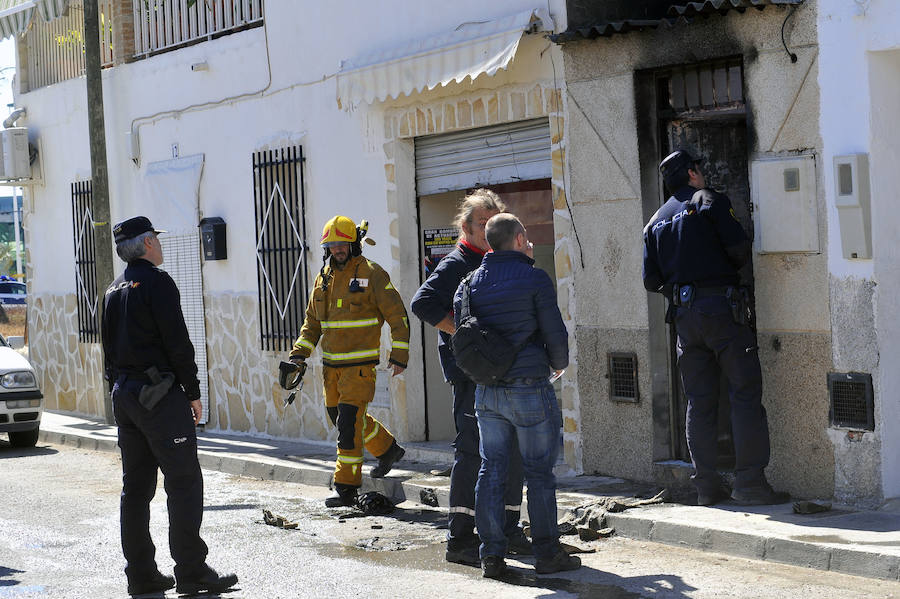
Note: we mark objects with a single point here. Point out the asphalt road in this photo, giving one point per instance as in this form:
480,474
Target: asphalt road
59,539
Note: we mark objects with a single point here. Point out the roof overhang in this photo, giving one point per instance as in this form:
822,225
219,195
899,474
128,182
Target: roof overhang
470,50
16,15
681,13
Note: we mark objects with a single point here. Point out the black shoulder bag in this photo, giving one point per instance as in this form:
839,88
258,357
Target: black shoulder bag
481,352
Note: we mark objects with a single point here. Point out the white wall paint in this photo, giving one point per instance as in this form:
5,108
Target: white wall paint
859,76
167,103
846,35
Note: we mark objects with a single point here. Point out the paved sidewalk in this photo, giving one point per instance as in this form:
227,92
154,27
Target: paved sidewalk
864,543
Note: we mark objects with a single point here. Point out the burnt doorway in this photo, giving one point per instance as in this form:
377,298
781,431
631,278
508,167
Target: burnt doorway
701,109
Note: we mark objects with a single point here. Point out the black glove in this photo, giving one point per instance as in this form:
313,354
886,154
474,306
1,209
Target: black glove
291,373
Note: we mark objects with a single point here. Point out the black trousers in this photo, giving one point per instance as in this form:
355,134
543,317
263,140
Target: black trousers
464,475
710,343
160,439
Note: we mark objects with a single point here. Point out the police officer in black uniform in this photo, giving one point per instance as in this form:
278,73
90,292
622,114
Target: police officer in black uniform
149,362
693,249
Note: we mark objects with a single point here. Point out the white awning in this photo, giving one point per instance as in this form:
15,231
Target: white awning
472,49
16,15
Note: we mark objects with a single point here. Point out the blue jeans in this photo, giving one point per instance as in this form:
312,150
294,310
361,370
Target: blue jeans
464,475
529,414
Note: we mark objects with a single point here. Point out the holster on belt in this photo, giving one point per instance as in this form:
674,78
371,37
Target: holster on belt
160,384
739,299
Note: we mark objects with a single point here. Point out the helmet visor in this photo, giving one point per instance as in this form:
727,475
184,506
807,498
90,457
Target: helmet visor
331,244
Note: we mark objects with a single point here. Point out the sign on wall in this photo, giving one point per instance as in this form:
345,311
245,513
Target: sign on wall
438,243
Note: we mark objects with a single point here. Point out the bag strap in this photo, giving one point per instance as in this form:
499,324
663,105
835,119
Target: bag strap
464,311
464,308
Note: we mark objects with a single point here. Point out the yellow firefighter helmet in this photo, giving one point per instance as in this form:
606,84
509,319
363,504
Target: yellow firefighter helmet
339,229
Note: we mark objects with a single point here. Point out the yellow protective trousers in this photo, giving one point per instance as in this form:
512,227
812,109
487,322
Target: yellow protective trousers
348,391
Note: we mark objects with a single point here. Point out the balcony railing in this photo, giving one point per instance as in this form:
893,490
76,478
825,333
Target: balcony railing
55,50
164,24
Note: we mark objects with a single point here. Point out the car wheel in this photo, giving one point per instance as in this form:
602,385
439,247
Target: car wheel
24,438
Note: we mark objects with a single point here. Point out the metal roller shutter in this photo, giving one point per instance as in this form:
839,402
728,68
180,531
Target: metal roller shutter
517,151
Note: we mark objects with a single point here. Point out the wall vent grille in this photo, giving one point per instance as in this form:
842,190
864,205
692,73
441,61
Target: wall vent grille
622,375
851,400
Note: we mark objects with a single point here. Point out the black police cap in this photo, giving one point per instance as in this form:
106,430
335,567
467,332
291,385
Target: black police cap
131,228
676,161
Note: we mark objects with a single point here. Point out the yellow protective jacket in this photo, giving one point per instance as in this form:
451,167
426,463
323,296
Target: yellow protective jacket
349,323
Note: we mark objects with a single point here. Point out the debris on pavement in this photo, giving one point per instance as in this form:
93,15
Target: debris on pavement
428,497
570,548
276,520
811,507
588,520
374,503
442,472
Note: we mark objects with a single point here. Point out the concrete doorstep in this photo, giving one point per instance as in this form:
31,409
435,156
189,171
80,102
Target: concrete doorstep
862,543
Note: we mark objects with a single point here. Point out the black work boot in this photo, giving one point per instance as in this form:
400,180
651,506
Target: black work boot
561,561
209,581
463,551
387,460
492,566
762,494
713,496
518,544
158,583
343,496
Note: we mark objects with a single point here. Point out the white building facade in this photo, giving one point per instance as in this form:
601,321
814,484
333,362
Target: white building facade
273,118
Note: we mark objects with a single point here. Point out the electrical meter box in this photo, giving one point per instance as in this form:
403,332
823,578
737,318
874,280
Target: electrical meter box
785,207
851,196
212,237
15,163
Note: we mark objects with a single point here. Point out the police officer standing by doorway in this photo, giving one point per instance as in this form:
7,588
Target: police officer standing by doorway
693,249
149,363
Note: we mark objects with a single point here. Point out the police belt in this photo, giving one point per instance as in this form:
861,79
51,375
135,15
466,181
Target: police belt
522,381
693,292
138,375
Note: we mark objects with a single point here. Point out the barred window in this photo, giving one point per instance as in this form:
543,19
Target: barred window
85,262
280,211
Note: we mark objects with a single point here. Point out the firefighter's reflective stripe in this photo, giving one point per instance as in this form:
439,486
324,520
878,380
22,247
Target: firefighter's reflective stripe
306,344
399,345
350,324
353,355
458,509
389,286
349,459
513,508
371,435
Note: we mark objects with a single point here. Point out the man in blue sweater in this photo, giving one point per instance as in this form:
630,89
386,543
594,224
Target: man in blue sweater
433,304
518,301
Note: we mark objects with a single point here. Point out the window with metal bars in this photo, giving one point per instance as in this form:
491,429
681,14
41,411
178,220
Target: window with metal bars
852,400
85,262
280,211
622,375
711,86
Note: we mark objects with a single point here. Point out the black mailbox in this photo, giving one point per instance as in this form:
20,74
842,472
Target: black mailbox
212,235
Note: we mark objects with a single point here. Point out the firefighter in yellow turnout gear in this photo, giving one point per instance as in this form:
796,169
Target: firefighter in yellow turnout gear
353,297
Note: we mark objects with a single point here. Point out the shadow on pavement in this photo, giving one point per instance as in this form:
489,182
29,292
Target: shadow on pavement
4,572
8,451
608,586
